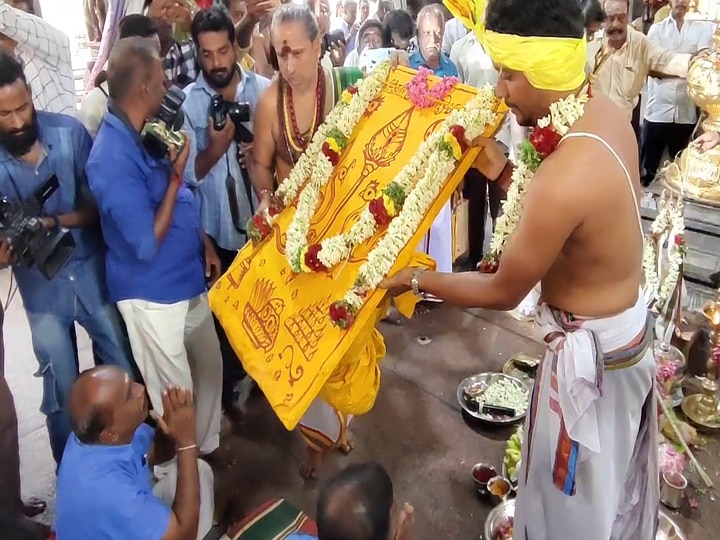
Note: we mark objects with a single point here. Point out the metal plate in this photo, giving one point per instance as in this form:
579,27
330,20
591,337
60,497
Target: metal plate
488,379
519,367
668,529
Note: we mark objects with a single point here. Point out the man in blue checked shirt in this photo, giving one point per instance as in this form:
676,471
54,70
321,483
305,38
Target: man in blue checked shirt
216,166
430,31
33,147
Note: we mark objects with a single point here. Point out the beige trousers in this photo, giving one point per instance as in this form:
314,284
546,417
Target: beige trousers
166,486
177,344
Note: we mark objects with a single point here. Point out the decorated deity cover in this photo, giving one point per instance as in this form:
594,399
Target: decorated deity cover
275,310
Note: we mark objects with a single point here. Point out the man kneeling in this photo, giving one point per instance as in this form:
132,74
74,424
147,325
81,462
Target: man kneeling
104,485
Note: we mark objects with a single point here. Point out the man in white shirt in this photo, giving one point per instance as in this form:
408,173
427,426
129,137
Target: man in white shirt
45,54
475,68
670,115
454,30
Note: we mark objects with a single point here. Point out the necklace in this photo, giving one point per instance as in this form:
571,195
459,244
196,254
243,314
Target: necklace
542,142
296,141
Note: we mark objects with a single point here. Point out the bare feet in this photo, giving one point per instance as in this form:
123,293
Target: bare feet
310,466
393,316
346,445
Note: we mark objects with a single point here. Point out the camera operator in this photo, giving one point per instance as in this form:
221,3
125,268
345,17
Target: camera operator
155,267
34,146
219,156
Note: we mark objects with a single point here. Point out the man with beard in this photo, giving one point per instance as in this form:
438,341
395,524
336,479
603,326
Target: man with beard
34,146
158,259
219,165
589,463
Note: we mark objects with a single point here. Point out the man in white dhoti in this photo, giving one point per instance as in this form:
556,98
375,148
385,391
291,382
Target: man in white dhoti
571,222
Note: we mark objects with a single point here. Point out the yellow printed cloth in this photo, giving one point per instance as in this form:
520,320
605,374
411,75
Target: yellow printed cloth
278,322
549,63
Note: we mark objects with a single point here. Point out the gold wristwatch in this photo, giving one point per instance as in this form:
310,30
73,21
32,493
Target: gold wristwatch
415,282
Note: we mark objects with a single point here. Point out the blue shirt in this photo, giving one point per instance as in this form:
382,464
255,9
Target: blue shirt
446,68
211,190
129,185
66,144
104,492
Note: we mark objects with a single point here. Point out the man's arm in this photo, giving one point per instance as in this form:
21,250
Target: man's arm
263,170
244,29
48,43
664,62
86,211
531,251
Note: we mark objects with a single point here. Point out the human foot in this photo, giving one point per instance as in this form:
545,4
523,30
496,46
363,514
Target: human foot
346,445
310,466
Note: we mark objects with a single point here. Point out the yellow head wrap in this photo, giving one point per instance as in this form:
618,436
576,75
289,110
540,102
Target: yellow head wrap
549,63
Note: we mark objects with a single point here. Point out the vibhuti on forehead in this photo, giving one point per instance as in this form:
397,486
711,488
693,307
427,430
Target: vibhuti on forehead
548,63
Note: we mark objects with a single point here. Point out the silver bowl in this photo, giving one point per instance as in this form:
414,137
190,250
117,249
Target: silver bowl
497,517
668,529
487,379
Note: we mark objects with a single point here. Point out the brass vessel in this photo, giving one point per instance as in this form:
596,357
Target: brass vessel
695,173
703,409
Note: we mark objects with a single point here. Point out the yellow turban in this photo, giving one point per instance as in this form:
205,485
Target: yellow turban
549,63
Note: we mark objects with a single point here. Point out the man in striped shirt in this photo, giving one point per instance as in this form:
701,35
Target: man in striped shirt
45,54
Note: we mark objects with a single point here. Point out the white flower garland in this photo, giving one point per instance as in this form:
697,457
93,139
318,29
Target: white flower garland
563,114
474,118
669,218
315,165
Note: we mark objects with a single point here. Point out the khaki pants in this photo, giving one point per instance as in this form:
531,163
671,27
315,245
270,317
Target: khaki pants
177,344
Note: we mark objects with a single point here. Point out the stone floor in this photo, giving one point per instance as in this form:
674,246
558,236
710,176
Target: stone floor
415,430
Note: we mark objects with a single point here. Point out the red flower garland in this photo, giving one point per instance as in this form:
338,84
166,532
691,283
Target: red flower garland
379,212
342,314
331,154
458,132
311,258
258,229
544,140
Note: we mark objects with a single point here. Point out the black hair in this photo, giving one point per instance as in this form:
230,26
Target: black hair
539,18
398,21
593,11
136,25
371,23
356,504
88,430
214,19
131,61
11,70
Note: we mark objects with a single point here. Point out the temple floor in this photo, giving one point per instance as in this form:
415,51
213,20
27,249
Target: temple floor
416,429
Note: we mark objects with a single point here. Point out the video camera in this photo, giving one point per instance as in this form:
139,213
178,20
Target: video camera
163,131
31,242
220,111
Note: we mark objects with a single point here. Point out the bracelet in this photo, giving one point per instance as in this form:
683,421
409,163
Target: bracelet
189,447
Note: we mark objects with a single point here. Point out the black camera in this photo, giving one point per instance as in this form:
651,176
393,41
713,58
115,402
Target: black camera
221,110
31,242
163,131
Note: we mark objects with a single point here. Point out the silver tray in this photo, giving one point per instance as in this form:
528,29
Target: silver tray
668,528
489,378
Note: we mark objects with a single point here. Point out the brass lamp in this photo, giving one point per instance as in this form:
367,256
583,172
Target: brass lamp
703,409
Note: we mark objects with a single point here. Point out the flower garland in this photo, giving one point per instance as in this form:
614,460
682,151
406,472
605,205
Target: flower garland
669,218
315,166
542,142
404,211
420,93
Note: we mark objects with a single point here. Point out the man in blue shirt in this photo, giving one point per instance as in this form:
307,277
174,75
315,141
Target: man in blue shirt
35,145
104,488
155,243
215,172
430,30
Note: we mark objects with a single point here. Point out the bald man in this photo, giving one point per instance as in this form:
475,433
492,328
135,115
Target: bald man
104,488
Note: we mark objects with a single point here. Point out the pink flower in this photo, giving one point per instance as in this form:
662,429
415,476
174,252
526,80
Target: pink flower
670,461
666,371
424,97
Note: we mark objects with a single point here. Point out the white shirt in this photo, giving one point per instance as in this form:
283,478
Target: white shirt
45,54
454,30
667,99
475,68
93,108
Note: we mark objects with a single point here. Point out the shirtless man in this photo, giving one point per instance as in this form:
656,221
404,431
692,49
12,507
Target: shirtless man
590,456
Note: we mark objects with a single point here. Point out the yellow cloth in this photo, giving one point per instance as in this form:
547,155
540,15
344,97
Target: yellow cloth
549,63
662,13
278,322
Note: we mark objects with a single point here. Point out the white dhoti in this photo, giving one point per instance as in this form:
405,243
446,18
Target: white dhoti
323,427
438,242
527,307
589,467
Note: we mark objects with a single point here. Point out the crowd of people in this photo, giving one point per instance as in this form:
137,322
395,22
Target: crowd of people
155,221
